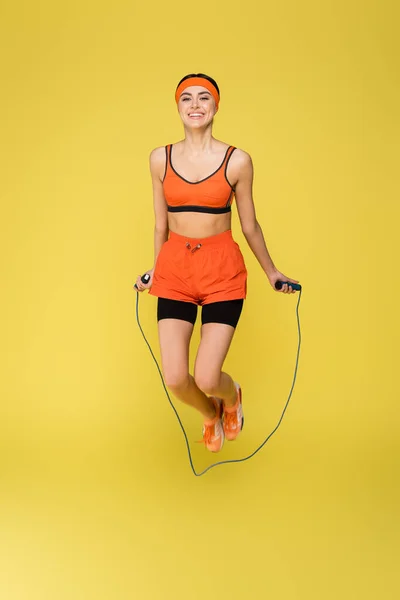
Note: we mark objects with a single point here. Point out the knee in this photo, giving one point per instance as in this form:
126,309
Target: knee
176,380
207,382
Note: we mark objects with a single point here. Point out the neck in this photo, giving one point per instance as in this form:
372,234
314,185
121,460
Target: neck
198,140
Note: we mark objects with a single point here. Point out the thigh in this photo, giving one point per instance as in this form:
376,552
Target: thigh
175,328
219,320
174,337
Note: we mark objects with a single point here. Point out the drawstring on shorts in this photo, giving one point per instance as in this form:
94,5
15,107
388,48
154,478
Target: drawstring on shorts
193,249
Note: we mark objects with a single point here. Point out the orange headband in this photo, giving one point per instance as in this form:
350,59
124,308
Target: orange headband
197,81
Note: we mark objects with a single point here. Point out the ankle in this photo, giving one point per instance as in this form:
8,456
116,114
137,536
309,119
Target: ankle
210,414
233,400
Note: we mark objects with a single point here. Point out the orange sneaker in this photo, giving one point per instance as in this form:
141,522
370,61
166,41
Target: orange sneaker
213,431
233,417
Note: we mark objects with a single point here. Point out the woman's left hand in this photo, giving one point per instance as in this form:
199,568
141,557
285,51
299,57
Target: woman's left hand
278,276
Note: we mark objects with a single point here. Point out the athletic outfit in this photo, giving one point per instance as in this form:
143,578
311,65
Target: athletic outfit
210,271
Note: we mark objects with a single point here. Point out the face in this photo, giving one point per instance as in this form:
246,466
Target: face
196,107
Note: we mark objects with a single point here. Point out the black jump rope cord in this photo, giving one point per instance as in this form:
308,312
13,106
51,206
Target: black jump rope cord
234,460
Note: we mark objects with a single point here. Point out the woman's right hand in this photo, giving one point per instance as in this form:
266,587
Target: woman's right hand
140,286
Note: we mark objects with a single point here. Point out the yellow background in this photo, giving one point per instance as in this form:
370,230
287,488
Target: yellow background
97,498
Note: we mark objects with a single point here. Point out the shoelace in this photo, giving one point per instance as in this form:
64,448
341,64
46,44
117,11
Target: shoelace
230,420
208,433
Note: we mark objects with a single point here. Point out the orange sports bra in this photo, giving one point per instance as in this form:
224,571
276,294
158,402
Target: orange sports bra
213,194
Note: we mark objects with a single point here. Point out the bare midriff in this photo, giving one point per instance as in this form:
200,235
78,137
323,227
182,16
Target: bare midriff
198,225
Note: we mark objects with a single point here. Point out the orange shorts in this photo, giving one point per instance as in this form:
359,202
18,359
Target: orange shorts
202,271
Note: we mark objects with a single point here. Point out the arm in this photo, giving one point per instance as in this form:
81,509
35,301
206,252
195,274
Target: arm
242,169
157,169
242,174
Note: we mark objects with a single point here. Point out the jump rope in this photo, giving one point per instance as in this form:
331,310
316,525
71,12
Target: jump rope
278,285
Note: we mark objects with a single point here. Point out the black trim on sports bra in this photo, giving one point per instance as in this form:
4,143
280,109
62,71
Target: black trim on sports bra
166,163
229,203
226,169
201,180
200,209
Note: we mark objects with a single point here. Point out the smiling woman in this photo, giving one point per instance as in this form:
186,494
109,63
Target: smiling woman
197,261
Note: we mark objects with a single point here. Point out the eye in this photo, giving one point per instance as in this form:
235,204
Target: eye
185,98
205,98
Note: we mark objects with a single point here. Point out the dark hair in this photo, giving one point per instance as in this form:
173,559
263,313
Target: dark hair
210,79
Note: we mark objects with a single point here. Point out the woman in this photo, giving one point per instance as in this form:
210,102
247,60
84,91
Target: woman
197,262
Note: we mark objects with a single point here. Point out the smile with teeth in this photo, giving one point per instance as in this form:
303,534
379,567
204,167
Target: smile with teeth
195,115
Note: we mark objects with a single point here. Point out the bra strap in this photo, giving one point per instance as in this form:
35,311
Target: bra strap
229,154
167,159
231,150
